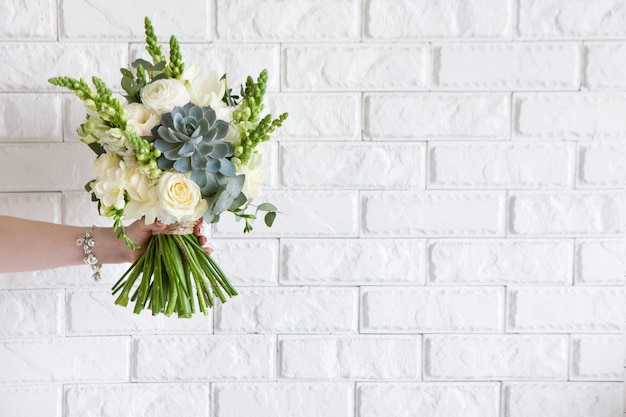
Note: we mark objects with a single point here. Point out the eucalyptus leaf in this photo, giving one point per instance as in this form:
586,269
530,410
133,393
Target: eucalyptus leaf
269,218
267,207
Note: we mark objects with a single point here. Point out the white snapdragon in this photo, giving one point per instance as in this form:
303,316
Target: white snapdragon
254,173
110,181
143,198
163,95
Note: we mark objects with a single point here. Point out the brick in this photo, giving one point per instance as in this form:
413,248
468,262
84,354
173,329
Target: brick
557,19
352,261
598,358
488,165
432,309
601,165
257,266
41,400
75,60
30,313
158,400
35,206
603,67
563,399
237,63
250,20
569,116
560,214
500,261
61,278
51,167
436,116
566,309
432,213
428,399
203,358
32,20
501,357
83,20
600,262
372,67
304,213
283,399
91,312
86,359
350,358
73,116
79,210
507,66
356,165
315,117
30,118
289,310
388,19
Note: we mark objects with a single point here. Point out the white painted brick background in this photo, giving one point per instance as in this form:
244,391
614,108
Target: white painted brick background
452,179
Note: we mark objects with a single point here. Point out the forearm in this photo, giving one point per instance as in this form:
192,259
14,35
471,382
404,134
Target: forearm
27,245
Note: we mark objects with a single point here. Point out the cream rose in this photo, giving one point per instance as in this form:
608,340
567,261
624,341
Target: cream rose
205,87
163,95
141,118
180,198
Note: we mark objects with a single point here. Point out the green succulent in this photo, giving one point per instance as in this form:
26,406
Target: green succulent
191,139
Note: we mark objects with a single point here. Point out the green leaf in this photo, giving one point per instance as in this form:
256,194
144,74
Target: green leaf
269,218
267,207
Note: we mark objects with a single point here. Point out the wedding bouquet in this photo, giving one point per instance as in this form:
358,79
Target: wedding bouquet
179,147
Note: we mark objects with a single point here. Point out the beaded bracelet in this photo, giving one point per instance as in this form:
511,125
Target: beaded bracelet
87,242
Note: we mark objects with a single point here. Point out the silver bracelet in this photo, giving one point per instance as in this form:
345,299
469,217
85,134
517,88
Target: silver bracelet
87,242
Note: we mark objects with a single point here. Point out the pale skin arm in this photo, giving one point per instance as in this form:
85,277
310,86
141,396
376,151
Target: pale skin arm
28,245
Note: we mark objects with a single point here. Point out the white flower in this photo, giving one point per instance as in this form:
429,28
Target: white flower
113,140
104,163
204,87
143,198
163,95
141,119
109,186
180,198
254,175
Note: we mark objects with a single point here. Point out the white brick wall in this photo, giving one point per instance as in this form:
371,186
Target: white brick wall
451,177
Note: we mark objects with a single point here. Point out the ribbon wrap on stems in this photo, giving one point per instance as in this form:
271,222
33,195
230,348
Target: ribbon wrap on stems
173,268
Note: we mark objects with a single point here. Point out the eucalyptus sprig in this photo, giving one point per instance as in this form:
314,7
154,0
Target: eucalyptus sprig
268,218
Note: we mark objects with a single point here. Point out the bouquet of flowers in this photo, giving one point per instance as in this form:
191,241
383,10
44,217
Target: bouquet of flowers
179,147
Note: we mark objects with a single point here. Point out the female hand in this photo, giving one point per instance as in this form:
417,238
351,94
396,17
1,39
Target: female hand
141,233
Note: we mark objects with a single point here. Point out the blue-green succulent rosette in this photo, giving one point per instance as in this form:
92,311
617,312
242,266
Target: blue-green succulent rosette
180,147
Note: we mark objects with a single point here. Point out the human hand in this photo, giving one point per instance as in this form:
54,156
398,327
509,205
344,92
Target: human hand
141,233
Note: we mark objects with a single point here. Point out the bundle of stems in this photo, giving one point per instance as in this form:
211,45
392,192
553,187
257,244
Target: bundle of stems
171,270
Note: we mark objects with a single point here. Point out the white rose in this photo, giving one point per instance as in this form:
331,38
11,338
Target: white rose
204,87
180,198
141,119
109,188
163,95
142,195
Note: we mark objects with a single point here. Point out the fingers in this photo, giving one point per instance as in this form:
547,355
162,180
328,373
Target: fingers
157,226
199,232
